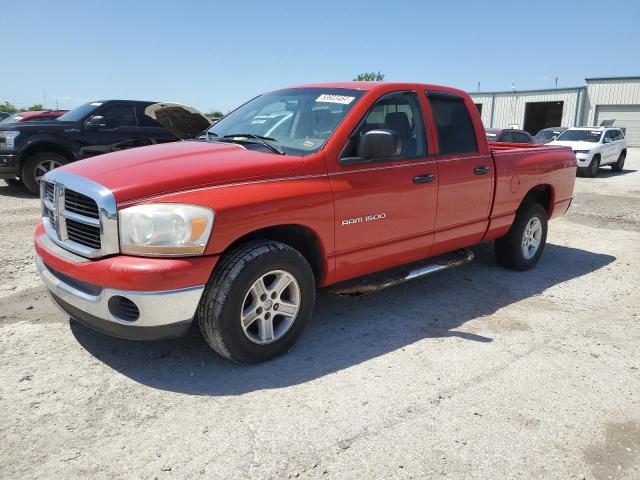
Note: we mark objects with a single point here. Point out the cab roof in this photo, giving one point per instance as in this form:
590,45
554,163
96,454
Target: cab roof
380,86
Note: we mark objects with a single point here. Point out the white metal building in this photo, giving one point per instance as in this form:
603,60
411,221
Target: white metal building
601,99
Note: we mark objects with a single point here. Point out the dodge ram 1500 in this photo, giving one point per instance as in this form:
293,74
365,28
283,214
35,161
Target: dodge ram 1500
354,185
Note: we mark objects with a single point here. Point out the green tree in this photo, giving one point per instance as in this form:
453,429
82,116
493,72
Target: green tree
35,106
9,108
214,114
369,77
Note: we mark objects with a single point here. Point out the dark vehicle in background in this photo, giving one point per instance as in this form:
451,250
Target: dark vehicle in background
547,135
33,116
4,115
508,135
28,150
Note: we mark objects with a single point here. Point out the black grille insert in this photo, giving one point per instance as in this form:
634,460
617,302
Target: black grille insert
81,204
88,235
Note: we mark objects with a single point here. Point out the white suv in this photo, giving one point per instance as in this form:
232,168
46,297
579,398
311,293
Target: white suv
595,147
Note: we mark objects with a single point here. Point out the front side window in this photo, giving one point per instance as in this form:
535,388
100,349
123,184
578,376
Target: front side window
297,121
399,112
455,129
119,116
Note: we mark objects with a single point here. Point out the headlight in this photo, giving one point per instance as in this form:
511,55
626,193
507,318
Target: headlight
586,152
7,138
165,229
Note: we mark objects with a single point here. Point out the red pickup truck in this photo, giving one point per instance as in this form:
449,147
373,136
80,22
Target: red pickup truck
306,187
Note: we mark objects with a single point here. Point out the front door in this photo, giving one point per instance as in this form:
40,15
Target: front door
118,133
385,210
466,175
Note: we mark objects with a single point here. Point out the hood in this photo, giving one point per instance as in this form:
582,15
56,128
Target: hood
173,167
45,125
181,120
576,145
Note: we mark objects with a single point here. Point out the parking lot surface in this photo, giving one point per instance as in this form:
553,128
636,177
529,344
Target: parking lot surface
476,372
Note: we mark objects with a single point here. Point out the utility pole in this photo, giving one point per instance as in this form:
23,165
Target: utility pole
44,98
478,87
556,82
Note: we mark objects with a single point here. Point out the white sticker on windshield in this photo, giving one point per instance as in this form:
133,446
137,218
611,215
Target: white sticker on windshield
96,104
594,133
342,99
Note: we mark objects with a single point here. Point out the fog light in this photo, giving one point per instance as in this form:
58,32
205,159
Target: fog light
123,308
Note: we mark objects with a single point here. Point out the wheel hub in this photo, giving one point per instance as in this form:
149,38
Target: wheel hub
270,307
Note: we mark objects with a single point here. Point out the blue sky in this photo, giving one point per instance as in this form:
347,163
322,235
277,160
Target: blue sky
218,54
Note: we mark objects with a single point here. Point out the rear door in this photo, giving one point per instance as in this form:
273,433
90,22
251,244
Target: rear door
465,174
385,210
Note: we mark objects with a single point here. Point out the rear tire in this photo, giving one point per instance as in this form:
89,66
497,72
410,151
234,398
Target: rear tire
619,165
594,166
257,302
521,248
36,166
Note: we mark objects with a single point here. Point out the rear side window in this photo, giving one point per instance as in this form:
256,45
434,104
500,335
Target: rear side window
507,137
520,137
455,130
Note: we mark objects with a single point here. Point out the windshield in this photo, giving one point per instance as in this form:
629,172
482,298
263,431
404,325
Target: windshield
12,118
79,113
298,120
547,134
580,136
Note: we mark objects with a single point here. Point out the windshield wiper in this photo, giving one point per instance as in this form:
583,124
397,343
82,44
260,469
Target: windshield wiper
260,139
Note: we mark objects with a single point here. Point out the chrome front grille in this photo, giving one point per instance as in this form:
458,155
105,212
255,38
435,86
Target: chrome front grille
79,215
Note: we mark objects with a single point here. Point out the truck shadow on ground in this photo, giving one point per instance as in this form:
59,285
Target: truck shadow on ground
15,192
347,331
610,173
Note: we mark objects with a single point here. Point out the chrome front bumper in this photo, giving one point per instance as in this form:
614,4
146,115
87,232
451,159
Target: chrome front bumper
163,314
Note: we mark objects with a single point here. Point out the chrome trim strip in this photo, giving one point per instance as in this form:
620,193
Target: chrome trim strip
156,308
95,222
59,251
105,201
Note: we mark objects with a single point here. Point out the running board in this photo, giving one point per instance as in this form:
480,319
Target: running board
389,278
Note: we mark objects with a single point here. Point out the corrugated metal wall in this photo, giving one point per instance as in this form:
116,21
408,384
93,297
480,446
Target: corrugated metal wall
618,91
510,107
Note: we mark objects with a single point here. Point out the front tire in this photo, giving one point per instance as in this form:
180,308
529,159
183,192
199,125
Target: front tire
257,302
619,165
521,248
36,166
594,166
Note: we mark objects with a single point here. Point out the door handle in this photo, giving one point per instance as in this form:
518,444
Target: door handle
426,178
481,170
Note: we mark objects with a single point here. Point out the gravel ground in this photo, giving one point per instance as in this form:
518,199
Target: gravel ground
477,372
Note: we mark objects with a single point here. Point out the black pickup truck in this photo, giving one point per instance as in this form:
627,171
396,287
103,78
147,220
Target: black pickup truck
29,150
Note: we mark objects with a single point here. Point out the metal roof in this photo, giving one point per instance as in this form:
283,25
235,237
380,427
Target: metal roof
540,90
612,78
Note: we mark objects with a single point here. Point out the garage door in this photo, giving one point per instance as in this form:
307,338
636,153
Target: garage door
627,116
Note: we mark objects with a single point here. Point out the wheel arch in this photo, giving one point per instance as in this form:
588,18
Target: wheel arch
297,236
47,146
543,194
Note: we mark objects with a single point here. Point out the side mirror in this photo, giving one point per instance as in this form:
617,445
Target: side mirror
607,140
375,145
95,123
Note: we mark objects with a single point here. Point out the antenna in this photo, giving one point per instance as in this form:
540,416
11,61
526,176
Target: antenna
478,87
44,98
556,82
